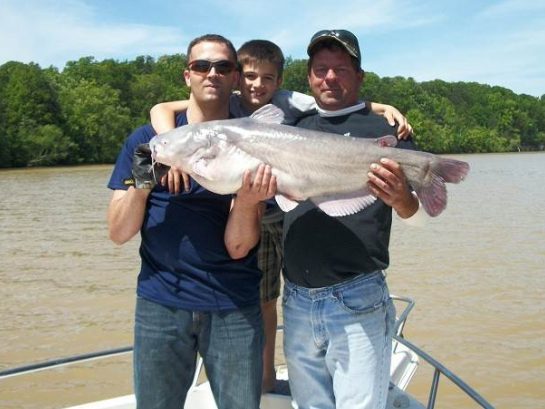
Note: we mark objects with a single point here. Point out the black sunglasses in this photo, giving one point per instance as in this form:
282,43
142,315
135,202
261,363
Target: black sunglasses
223,67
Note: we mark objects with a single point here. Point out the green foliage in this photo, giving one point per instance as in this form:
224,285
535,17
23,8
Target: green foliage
160,81
83,113
29,100
295,76
48,145
95,120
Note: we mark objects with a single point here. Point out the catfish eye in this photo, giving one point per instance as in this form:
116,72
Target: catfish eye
206,137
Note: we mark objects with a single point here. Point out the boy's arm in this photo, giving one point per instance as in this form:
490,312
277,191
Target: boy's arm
295,105
163,119
392,115
163,115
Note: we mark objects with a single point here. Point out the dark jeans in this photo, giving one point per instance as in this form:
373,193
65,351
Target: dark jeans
165,351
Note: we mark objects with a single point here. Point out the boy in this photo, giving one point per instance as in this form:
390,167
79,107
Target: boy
262,66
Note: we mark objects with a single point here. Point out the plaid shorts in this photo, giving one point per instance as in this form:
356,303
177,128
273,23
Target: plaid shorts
269,260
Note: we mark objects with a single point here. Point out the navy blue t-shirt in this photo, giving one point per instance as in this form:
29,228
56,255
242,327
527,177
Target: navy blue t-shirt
184,260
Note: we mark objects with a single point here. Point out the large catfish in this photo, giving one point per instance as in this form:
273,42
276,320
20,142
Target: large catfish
329,169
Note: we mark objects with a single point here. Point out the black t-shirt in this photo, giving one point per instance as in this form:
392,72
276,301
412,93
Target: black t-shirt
320,250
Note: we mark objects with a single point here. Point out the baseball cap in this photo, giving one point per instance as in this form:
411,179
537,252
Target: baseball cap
344,37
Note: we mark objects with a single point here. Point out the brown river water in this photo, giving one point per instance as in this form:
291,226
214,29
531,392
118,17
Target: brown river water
477,274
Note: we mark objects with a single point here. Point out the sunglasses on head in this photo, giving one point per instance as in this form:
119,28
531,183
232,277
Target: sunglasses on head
222,67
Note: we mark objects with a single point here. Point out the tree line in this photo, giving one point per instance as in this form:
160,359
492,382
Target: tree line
82,114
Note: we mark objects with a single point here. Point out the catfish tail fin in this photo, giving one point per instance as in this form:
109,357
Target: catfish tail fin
433,196
452,170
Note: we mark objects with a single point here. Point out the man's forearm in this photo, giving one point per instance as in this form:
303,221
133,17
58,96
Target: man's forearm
126,213
408,207
243,228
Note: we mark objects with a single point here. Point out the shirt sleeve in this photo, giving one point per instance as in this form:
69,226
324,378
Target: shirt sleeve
294,105
236,109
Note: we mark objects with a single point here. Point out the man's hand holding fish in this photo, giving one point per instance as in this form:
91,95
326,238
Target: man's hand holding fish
243,232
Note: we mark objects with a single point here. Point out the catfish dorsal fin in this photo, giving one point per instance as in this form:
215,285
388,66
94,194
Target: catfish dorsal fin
387,141
269,114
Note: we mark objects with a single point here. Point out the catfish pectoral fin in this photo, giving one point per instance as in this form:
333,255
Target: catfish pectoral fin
344,204
285,203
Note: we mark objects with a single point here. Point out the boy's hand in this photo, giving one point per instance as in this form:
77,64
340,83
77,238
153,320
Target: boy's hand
404,128
392,115
176,180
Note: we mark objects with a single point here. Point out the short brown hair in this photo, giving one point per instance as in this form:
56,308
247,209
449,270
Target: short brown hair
262,51
214,38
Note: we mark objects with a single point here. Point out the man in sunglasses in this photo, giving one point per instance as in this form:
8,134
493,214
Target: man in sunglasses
338,314
198,286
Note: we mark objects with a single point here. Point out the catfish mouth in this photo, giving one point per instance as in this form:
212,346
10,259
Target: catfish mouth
157,149
163,152
153,148
183,147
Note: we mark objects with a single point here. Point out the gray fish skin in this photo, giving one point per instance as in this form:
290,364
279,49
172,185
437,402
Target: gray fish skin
329,169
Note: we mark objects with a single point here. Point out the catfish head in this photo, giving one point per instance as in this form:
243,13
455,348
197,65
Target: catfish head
183,147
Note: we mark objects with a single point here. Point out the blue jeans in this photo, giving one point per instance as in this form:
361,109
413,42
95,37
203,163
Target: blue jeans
337,343
166,343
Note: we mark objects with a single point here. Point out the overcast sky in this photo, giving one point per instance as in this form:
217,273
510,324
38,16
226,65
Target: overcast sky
493,42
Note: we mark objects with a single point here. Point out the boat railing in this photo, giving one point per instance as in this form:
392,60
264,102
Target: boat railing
438,368
401,318
58,362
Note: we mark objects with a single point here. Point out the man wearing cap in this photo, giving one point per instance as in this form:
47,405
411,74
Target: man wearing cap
338,314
